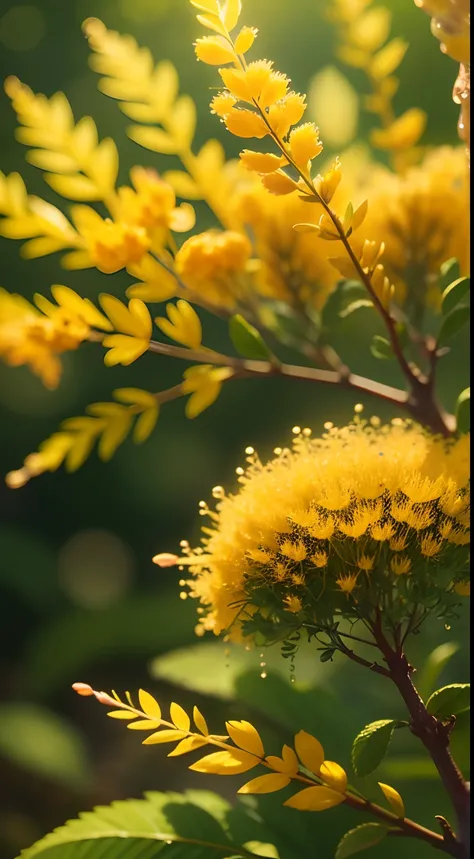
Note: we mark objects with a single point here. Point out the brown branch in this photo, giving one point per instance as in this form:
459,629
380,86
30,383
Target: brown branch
433,733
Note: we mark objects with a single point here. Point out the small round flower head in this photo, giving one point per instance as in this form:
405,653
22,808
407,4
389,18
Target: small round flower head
365,520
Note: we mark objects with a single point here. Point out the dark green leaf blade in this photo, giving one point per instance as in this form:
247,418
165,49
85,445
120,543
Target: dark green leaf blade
449,271
450,700
360,838
371,745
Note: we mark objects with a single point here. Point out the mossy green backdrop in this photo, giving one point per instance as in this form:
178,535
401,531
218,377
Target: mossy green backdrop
79,596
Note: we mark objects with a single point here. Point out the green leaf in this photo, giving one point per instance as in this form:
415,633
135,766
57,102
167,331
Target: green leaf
356,305
371,745
436,661
247,339
449,271
454,293
184,825
463,411
366,835
453,323
381,347
41,742
450,700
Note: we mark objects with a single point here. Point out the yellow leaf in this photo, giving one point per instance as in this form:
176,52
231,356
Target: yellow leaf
246,737
52,162
288,763
403,133
149,705
334,775
135,396
231,15
204,382
183,324
211,6
214,51
144,725
245,40
309,751
315,799
145,424
40,247
113,435
168,736
123,349
225,763
180,718
305,144
266,784
157,285
183,184
182,122
369,31
134,320
153,138
200,722
388,59
81,448
334,104
189,744
121,714
245,123
279,183
393,797
261,162
359,215
212,22
78,188
66,297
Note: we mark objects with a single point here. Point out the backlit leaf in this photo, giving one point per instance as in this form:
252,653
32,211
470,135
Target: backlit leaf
450,700
315,799
360,838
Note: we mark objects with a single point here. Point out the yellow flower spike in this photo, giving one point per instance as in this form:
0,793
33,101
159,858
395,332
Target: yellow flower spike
334,775
309,751
393,797
305,144
214,50
183,324
348,583
403,133
265,784
204,383
279,183
233,762
261,162
315,799
246,737
294,551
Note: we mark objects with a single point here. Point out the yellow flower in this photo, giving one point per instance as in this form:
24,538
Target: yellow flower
151,204
354,478
261,162
29,337
245,123
422,218
213,263
214,50
286,112
108,245
293,604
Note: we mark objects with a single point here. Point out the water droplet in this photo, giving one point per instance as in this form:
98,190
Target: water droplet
447,627
169,842
292,678
263,675
263,664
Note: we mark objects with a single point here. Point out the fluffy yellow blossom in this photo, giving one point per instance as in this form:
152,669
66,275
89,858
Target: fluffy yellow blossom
267,544
293,267
422,218
151,204
29,337
108,245
214,264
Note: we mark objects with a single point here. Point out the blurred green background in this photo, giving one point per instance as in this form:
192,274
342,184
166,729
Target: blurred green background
79,596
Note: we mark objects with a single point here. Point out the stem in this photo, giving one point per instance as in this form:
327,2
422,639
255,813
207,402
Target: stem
433,733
